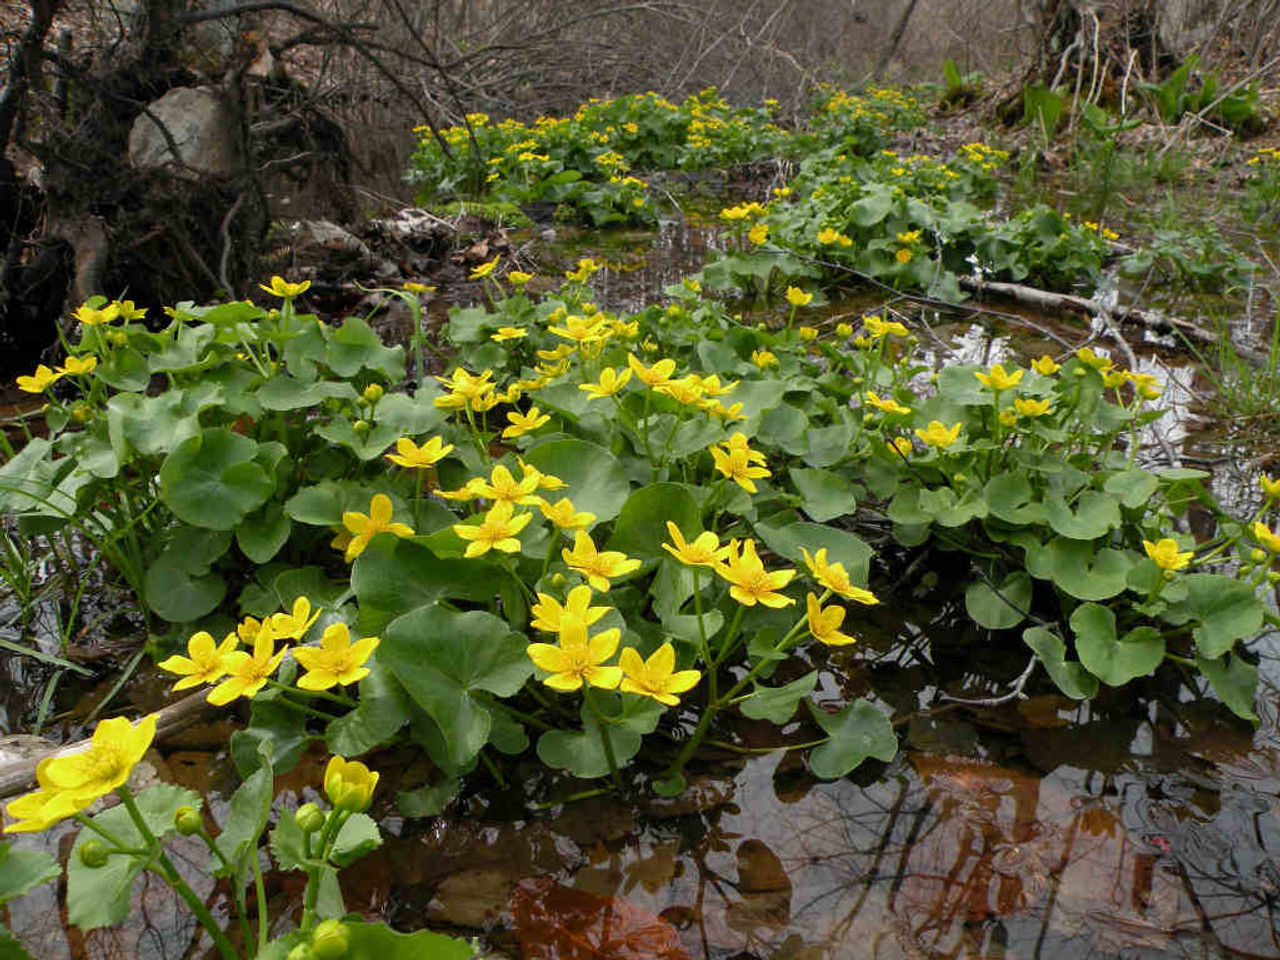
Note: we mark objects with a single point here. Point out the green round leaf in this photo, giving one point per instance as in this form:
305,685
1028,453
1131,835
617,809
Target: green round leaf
597,481
1070,677
1002,608
213,481
857,732
642,525
1112,660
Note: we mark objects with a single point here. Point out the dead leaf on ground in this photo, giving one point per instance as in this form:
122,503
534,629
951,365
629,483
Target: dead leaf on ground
555,922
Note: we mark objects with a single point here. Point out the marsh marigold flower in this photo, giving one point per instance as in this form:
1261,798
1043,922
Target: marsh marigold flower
504,334
92,317
549,615
364,528
577,658
611,381
997,379
1266,537
294,624
497,531
485,269
653,376
703,551
349,785
824,623
70,782
835,578
656,677
1045,366
598,566
1270,487
522,423
285,290
885,404
409,454
503,486
797,297
248,673
938,435
565,515
336,661
879,327
40,381
749,582
204,662
1032,408
78,366
1165,554
764,359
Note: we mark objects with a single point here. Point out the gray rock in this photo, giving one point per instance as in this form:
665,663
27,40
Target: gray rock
201,126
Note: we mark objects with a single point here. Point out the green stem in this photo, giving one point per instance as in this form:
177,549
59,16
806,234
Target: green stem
260,892
602,726
327,836
702,636
551,552
417,499
322,694
171,876
726,645
475,434
242,909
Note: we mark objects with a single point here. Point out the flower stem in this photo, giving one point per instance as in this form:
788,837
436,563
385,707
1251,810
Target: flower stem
171,876
702,636
602,726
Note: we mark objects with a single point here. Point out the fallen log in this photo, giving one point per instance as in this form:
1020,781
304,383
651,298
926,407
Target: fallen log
1153,320
19,776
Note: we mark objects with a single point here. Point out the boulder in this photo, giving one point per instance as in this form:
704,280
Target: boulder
201,125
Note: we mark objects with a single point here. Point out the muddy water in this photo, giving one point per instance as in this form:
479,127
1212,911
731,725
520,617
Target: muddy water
1143,824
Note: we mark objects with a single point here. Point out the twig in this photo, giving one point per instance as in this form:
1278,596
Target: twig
226,246
1014,694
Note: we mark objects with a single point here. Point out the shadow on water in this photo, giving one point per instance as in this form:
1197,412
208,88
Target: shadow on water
1142,824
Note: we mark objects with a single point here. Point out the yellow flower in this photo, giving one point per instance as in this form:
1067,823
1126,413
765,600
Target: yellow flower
711,387
77,366
464,388
597,566
763,359
409,454
247,674
336,661
128,311
93,318
879,327
1165,554
885,404
69,783
564,515
414,287
468,491
294,624
519,278
1144,384
1008,418
1269,487
1089,358
1114,379
808,333
903,255
938,435
717,409
834,577
758,234
611,381
581,329
522,423
824,623
653,376
485,268
656,677
285,290
204,660
546,481
797,297
739,441
40,381
1045,366
578,659
349,785
549,615
508,333
901,446
749,582
497,531
844,330
1032,408
998,380
827,235
736,465
703,551
364,528
687,389
502,486
1265,536
247,629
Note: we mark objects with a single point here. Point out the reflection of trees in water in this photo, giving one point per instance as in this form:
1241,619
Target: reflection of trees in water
961,855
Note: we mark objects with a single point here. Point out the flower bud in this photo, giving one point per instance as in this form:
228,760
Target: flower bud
309,818
186,820
273,315
81,413
1273,577
119,338
330,940
844,330
349,785
373,392
1257,556
360,426
558,580
302,951
93,854
1170,575
1079,372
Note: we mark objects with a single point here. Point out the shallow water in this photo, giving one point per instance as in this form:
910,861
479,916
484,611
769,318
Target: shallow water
1143,824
